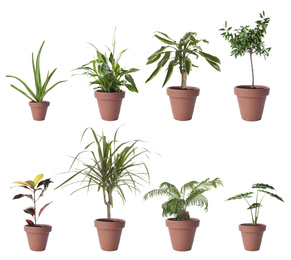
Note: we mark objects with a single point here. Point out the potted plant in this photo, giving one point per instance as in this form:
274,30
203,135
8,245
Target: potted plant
37,234
182,228
108,76
174,53
251,98
252,233
37,104
111,167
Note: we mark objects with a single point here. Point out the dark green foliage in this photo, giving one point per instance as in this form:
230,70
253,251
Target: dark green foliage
191,193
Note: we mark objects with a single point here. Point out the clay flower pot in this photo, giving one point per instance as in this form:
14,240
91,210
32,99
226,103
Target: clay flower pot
252,236
37,236
182,102
251,101
38,110
109,233
109,104
182,233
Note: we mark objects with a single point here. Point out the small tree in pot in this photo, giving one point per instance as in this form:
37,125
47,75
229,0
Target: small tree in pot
252,233
178,54
111,167
246,40
37,234
182,228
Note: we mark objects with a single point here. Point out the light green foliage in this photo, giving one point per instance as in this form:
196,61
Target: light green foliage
107,73
178,53
248,40
111,167
40,89
190,194
261,187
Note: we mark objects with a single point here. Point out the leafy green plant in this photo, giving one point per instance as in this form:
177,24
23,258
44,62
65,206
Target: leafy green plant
107,73
247,40
40,89
178,53
111,167
258,203
35,186
191,194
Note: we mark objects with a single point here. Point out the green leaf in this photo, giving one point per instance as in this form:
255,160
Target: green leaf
254,205
262,186
241,196
272,195
209,57
165,40
169,72
156,71
188,65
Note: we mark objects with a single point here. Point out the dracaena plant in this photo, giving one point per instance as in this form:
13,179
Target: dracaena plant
248,40
106,72
255,207
190,194
36,189
178,54
41,89
111,167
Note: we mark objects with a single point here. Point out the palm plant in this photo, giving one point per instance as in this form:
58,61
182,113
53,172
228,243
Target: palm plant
34,187
110,168
107,73
258,203
190,194
246,40
40,89
178,53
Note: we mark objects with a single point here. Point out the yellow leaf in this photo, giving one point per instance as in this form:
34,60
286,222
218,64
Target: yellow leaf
28,183
37,179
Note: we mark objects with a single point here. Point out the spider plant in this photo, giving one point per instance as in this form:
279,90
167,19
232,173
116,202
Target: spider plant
40,89
190,194
111,167
106,72
178,53
261,188
34,186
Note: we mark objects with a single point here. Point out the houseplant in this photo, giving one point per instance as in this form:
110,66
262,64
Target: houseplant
182,228
251,98
37,234
111,167
174,53
37,104
108,76
252,233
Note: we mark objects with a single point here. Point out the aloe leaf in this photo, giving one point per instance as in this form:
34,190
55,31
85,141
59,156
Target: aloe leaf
26,86
22,92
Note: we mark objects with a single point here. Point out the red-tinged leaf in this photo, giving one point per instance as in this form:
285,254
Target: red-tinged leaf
30,211
45,183
29,222
41,210
18,196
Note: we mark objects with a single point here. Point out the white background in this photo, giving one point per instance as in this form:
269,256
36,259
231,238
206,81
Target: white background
215,143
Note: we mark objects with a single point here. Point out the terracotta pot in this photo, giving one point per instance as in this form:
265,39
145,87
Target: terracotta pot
38,110
109,104
251,101
109,233
252,236
182,233
37,236
182,102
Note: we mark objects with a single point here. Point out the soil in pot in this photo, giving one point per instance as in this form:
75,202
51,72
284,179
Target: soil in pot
109,233
109,104
183,102
182,233
37,236
38,110
252,236
251,101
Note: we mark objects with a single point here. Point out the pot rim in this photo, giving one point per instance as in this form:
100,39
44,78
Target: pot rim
43,103
120,223
172,223
178,88
40,228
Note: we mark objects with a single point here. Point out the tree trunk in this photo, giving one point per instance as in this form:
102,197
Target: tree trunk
108,203
184,79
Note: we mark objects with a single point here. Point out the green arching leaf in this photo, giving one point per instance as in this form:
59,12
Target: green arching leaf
156,71
254,205
164,40
188,65
164,60
241,196
272,195
262,186
169,72
214,65
154,59
209,57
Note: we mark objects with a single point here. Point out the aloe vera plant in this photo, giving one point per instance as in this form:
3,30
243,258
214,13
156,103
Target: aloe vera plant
178,53
111,167
261,188
106,72
190,194
41,89
34,187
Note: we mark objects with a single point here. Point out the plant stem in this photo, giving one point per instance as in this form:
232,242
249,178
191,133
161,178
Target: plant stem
253,77
34,206
107,203
250,210
184,79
